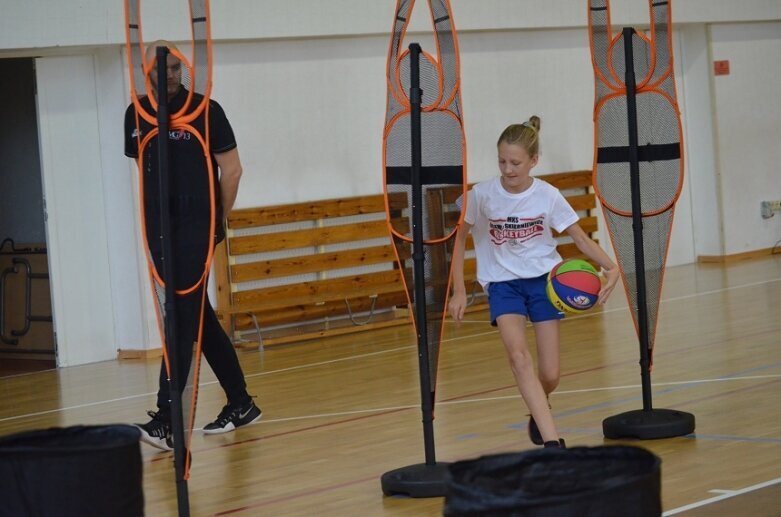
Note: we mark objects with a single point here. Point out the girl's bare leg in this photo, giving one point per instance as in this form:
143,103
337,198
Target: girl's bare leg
512,328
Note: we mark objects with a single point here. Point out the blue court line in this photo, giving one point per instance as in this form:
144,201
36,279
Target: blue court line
467,436
728,438
692,436
665,391
672,389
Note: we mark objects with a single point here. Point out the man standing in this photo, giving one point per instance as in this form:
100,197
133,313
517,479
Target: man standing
191,224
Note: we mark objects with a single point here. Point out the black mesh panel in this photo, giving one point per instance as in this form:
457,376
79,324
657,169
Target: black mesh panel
659,149
429,80
135,56
600,39
195,78
656,230
659,175
442,168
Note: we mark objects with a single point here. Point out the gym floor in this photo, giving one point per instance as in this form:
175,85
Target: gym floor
340,412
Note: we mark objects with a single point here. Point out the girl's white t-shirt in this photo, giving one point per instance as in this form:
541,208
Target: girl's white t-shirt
512,232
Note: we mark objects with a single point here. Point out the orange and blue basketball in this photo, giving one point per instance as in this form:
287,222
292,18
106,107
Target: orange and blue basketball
573,286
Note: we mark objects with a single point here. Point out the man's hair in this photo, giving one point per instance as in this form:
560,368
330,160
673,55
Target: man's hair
151,48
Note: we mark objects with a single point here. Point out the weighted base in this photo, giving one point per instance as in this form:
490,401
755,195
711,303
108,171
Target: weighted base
648,425
419,480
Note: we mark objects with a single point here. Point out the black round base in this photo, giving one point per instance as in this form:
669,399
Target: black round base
419,480
648,425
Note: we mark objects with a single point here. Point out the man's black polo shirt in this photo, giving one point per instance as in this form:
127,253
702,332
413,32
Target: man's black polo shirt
187,167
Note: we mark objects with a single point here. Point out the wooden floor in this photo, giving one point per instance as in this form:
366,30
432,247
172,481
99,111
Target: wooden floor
13,366
339,413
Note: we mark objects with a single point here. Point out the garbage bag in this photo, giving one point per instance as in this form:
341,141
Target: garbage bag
80,470
583,481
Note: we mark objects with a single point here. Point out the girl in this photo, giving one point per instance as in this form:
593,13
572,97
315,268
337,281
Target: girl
511,218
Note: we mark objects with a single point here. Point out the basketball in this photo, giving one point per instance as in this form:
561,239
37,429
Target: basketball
573,286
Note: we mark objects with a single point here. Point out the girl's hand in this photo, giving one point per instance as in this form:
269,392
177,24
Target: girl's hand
457,305
611,275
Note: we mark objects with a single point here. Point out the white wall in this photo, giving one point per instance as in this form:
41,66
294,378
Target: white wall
699,144
131,295
308,110
54,23
309,114
76,230
748,121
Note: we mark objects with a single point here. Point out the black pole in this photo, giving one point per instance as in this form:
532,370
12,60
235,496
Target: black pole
647,423
418,256
169,323
637,219
424,479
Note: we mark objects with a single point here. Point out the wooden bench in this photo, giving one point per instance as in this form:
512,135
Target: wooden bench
305,270
300,271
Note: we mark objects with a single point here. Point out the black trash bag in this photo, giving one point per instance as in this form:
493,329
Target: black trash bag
79,471
583,481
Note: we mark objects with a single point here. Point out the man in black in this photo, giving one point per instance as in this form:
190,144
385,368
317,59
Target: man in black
190,211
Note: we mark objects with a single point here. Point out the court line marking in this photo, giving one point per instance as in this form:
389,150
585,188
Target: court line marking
308,493
726,495
417,405
504,397
296,495
441,402
493,331
693,436
370,354
663,300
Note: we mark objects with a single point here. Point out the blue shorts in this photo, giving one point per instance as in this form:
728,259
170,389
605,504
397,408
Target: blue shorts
524,296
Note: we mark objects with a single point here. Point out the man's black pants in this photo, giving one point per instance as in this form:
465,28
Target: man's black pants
216,346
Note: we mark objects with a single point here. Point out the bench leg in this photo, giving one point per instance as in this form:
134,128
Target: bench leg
371,311
257,330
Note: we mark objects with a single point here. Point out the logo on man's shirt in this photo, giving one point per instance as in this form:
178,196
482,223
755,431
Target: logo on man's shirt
174,134
179,134
515,230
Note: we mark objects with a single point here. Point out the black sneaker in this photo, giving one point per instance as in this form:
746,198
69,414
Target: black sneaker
232,417
534,432
554,444
157,432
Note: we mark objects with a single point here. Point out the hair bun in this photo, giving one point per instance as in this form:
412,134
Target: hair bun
534,121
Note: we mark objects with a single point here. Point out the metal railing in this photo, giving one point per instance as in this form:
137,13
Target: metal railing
20,265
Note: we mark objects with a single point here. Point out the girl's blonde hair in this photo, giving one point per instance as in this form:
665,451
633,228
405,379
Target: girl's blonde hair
527,135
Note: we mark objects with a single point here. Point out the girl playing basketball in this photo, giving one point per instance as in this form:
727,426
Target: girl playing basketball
511,218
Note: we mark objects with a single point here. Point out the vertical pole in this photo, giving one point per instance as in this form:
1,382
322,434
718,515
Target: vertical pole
418,256
166,237
637,219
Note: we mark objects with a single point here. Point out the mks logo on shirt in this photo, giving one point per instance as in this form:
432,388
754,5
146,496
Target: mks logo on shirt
174,134
515,230
178,134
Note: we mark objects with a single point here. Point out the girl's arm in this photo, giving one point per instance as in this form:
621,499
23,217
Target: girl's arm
457,303
592,250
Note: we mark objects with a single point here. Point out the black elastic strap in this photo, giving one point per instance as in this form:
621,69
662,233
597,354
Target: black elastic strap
645,153
432,175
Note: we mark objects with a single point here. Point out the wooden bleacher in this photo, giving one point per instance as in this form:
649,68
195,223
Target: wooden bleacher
300,271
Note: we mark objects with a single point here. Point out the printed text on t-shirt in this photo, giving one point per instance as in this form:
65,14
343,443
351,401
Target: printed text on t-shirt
515,229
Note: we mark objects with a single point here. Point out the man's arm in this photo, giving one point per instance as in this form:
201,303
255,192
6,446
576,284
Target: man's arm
230,174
